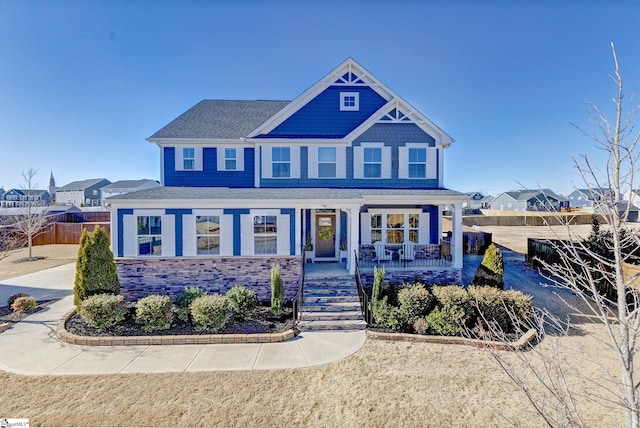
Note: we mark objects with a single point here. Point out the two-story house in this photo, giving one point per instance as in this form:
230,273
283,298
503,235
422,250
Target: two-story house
348,168
125,186
15,198
82,193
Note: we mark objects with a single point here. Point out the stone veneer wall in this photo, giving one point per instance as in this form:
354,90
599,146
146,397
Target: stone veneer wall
140,277
441,276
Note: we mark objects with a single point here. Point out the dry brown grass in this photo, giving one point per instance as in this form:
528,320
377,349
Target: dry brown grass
52,256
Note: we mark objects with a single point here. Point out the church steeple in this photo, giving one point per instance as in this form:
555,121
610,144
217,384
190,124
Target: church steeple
52,186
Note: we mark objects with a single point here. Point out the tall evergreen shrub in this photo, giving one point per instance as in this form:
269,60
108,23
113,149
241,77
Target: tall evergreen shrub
491,270
277,290
95,269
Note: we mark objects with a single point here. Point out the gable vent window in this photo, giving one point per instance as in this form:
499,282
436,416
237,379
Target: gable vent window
349,101
188,158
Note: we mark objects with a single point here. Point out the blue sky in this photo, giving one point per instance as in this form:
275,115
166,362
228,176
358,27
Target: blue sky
83,83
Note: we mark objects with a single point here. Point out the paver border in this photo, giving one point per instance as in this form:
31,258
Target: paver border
519,344
202,339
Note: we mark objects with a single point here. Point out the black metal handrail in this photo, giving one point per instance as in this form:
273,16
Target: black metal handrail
364,297
296,302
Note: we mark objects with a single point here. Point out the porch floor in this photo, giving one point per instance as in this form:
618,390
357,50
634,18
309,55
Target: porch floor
325,270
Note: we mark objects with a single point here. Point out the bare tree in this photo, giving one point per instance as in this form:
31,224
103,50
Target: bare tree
9,239
597,276
32,218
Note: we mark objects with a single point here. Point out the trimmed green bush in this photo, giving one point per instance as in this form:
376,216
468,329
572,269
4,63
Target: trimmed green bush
95,268
240,300
491,270
186,296
13,298
103,310
24,304
386,315
209,312
154,312
448,320
277,290
509,311
414,301
378,281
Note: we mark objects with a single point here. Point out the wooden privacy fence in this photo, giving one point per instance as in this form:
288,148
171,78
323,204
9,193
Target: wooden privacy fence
476,242
532,219
66,233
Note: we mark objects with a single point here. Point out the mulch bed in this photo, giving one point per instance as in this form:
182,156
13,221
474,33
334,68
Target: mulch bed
7,315
260,320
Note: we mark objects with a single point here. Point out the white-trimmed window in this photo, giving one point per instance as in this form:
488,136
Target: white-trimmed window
417,162
149,235
372,158
188,158
208,235
265,235
349,101
326,162
230,159
280,162
395,227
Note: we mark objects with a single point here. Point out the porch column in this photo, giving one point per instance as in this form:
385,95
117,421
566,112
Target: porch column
353,233
456,235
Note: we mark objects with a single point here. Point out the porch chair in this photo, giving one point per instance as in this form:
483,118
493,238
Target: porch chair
381,251
408,252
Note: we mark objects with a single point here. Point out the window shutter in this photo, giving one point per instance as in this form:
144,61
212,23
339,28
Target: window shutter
386,162
403,162
341,162
313,161
130,235
220,158
168,235
179,160
295,161
226,235
432,162
425,226
283,235
266,162
240,159
246,234
189,242
365,228
358,162
198,158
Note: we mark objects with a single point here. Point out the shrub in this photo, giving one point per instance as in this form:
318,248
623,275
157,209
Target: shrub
378,280
491,270
385,315
24,304
420,326
95,269
240,300
507,310
448,320
154,312
186,296
13,298
103,310
209,312
414,302
277,290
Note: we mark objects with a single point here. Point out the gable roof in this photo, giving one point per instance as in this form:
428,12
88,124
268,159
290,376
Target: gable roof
129,184
219,119
81,184
539,194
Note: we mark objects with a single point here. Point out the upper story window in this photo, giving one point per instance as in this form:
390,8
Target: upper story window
349,101
149,235
208,235
280,162
417,162
372,157
265,234
230,159
188,158
326,162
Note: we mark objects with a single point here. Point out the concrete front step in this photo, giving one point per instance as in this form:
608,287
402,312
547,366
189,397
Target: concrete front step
332,316
337,307
332,325
325,300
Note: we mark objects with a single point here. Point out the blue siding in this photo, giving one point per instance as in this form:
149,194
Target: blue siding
391,134
178,228
237,228
321,117
209,176
120,214
433,226
292,229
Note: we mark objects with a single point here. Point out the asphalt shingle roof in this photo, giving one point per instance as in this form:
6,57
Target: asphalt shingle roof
220,119
225,193
127,184
80,185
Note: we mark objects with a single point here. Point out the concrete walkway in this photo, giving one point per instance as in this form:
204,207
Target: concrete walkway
31,346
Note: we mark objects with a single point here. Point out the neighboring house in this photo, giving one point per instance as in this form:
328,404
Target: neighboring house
2,192
15,198
633,196
529,200
477,201
81,193
347,163
589,198
631,211
125,186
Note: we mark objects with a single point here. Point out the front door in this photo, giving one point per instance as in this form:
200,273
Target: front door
326,235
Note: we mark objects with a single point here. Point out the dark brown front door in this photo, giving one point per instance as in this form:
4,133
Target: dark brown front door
325,235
